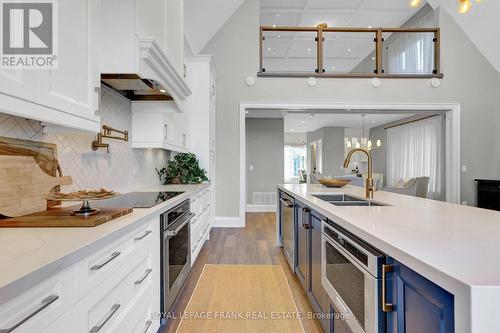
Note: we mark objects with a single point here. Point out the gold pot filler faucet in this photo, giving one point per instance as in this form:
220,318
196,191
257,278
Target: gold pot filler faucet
369,180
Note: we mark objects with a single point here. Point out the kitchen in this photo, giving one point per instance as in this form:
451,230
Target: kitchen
123,162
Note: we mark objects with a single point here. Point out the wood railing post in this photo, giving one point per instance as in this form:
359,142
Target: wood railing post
319,51
437,52
261,46
378,52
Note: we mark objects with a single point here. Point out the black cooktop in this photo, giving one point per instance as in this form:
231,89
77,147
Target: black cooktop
139,199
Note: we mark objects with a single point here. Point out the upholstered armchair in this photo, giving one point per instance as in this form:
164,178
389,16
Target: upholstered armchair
416,187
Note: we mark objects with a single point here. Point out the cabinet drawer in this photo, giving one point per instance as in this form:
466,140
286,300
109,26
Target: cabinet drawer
37,308
96,268
106,307
66,323
139,317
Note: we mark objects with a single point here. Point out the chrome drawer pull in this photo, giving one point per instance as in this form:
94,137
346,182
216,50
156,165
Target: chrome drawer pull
148,324
111,258
141,280
43,304
144,235
103,321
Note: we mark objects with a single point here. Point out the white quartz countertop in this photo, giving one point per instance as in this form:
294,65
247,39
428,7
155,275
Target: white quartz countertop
30,255
456,247
459,241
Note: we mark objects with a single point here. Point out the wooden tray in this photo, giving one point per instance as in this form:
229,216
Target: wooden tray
61,217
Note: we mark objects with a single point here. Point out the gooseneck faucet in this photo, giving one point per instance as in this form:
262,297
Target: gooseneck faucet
369,180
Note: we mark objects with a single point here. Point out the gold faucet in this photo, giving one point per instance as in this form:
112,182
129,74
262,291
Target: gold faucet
369,180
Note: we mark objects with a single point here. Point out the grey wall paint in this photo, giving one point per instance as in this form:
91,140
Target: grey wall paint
265,151
469,80
332,147
379,154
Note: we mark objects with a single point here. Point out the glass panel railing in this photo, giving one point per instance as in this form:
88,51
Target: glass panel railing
349,52
408,53
289,51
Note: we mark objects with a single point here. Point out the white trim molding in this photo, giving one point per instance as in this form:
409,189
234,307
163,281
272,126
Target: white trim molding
260,208
228,222
452,136
156,65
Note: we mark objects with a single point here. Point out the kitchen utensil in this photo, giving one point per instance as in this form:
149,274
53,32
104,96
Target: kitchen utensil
24,185
85,197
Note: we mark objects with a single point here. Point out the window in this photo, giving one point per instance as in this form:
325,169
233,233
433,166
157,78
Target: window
295,160
418,150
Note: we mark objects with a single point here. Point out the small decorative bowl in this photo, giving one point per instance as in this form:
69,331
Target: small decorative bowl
329,182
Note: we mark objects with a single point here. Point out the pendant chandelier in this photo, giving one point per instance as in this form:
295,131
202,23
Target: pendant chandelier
363,142
463,5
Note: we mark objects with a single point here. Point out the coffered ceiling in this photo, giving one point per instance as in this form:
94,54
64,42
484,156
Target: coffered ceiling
297,51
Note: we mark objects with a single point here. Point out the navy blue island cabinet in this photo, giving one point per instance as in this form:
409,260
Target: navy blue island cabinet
419,305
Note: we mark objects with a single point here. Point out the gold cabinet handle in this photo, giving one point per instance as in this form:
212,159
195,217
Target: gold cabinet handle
386,307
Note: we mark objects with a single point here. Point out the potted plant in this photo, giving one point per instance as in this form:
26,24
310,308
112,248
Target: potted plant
183,169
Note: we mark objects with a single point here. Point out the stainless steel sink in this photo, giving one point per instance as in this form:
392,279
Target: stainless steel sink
346,200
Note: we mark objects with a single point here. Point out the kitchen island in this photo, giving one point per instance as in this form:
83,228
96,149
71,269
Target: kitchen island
456,247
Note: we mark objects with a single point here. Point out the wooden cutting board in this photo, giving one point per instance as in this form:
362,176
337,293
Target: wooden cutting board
24,185
44,153
61,217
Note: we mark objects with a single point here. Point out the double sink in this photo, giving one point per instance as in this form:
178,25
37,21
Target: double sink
340,199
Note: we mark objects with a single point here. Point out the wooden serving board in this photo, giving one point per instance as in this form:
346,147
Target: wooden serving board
44,153
24,186
62,218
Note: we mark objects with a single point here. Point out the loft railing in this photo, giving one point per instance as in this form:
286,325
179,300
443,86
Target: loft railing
349,52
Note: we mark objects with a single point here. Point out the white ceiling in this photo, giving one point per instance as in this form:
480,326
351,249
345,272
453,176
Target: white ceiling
311,120
296,51
202,20
301,123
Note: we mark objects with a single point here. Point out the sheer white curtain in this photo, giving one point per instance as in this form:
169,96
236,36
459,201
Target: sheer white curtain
412,53
417,150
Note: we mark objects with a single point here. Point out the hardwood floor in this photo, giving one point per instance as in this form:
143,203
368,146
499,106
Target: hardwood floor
253,245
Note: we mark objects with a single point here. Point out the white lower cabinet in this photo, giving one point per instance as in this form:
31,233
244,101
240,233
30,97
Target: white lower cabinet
66,323
116,289
201,224
37,308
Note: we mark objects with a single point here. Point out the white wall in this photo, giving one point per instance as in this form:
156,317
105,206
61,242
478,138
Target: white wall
265,150
469,80
122,170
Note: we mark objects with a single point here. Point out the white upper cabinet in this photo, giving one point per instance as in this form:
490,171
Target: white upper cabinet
145,38
74,86
158,125
66,95
174,43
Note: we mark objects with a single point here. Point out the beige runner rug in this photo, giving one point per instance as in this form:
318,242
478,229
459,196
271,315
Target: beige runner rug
241,299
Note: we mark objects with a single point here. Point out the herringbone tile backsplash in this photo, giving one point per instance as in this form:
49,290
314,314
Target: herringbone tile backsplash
123,169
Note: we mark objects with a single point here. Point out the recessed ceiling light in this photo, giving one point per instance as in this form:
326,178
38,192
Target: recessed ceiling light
349,50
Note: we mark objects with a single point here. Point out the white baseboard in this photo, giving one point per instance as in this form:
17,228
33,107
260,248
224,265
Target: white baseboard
261,208
228,222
